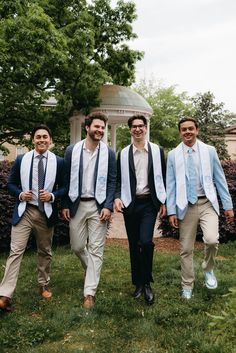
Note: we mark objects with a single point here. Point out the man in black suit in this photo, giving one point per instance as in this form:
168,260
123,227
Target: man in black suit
35,210
140,195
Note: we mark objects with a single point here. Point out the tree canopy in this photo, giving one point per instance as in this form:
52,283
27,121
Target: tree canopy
213,120
63,49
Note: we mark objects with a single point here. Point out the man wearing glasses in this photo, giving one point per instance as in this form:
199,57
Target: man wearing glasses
140,195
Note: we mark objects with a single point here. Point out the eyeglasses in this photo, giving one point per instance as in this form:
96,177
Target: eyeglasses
141,126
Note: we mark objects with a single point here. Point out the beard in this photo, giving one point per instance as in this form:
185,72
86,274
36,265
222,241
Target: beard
95,136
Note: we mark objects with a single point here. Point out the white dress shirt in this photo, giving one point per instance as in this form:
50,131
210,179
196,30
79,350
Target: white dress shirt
89,162
141,169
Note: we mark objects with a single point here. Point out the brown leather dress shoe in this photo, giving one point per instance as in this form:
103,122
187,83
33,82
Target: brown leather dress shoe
45,292
5,303
88,301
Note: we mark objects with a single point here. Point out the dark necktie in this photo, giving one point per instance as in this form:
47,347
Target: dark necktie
40,181
192,188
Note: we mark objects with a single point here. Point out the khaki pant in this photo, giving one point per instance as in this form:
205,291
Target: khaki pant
204,214
87,237
32,220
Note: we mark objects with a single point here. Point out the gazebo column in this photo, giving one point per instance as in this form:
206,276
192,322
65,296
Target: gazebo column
72,130
105,137
148,130
113,137
78,129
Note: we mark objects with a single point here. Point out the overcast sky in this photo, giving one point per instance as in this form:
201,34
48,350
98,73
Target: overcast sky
189,43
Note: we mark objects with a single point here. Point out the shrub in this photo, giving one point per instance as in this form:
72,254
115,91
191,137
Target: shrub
7,202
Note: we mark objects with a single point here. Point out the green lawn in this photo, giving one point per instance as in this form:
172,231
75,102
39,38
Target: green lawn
117,323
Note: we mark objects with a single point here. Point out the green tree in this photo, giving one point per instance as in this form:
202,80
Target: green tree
63,49
213,120
168,106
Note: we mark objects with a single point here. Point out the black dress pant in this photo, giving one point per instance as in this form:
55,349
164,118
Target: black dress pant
140,227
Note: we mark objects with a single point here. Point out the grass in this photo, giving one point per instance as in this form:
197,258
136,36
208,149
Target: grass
117,323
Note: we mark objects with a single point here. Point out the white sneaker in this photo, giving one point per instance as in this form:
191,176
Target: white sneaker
210,280
187,293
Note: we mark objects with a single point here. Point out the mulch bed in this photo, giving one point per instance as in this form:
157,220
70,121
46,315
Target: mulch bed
161,244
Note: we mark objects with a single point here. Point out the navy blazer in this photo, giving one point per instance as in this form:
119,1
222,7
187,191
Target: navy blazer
15,188
111,181
133,180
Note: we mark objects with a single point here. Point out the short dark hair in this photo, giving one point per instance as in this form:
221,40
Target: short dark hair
95,115
138,116
188,118
41,126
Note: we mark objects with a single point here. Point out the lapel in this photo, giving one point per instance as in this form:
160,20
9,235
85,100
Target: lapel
149,158
31,173
81,170
131,161
96,168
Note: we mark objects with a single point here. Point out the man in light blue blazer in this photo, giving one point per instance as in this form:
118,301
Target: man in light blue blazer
194,175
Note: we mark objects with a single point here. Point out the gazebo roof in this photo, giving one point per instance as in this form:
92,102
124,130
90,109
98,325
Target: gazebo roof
120,97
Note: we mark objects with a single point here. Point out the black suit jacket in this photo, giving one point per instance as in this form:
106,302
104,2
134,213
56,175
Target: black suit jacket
133,180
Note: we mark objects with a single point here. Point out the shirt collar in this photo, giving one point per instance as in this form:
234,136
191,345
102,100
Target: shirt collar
194,147
86,149
36,154
144,149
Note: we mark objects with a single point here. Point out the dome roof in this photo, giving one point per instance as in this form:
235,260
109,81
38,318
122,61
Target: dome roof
120,97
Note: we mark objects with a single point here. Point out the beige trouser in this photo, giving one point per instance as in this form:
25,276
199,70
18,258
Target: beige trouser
32,220
87,238
204,214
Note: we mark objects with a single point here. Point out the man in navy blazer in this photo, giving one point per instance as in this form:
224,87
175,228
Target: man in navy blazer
91,178
35,210
140,195
194,173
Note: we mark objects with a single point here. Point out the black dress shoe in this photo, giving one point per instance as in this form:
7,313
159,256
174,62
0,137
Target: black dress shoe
138,292
148,294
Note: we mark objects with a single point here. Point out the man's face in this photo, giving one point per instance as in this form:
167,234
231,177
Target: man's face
188,133
138,130
41,141
96,130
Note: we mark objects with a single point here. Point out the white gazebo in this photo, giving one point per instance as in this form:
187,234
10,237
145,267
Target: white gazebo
119,103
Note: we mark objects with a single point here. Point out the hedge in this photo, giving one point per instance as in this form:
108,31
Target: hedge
61,233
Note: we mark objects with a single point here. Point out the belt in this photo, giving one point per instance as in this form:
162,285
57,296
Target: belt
201,197
143,197
87,198
33,206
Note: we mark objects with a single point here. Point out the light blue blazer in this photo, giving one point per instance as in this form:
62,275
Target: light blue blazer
218,179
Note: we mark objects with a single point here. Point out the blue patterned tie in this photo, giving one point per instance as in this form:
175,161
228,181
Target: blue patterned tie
192,186
40,181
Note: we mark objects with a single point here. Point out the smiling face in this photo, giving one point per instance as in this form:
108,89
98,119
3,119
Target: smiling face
41,140
138,130
188,132
96,130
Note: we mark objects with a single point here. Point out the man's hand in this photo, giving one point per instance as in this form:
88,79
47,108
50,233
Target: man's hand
44,196
26,195
118,205
65,214
105,214
174,221
162,211
229,215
